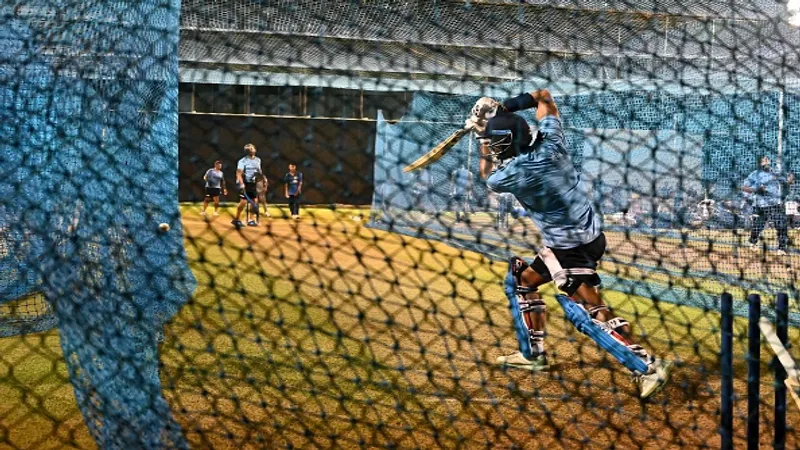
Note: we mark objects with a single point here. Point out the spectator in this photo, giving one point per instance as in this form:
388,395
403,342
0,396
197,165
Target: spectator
461,181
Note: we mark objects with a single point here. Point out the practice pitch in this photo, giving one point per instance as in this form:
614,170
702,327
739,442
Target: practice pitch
325,333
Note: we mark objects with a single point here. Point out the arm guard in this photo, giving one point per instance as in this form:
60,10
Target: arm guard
520,102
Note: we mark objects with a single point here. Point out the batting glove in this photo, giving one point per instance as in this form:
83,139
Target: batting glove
475,124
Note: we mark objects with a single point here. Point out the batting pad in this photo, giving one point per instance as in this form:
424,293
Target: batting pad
520,328
252,204
580,318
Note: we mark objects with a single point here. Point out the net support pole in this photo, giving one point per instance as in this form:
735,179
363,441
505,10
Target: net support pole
726,362
753,370
779,157
782,330
469,152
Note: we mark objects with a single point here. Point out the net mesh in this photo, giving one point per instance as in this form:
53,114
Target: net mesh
89,144
377,314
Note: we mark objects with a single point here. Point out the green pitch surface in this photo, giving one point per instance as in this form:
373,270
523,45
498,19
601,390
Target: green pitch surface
321,333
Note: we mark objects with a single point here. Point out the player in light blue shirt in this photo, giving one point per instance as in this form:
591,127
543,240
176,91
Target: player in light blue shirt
247,170
421,191
537,169
461,180
555,197
505,203
764,188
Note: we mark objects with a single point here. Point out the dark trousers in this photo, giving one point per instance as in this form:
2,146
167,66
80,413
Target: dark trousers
294,204
777,214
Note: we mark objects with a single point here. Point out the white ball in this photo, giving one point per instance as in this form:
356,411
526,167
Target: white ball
164,227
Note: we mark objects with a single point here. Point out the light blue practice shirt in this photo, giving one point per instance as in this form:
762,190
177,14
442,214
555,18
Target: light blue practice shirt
249,167
547,185
772,183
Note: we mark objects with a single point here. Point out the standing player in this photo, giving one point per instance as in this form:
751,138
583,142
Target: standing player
292,189
792,213
381,202
421,190
635,213
215,184
680,216
246,171
764,187
461,181
505,204
539,173
262,186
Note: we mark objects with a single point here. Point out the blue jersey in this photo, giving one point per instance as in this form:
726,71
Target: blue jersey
293,181
249,167
545,182
767,185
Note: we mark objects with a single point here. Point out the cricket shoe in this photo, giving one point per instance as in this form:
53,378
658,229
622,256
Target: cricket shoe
519,361
203,213
216,214
655,379
252,223
237,223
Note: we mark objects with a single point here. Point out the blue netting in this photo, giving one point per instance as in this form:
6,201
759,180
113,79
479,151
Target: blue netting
314,332
88,124
665,168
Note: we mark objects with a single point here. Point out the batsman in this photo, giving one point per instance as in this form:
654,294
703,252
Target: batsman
536,168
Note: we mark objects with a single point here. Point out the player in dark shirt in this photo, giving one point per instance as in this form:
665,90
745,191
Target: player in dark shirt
293,189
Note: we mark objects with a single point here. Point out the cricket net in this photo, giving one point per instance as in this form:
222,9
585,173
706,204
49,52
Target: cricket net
129,320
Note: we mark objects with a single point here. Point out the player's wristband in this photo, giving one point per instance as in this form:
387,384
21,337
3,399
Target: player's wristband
520,102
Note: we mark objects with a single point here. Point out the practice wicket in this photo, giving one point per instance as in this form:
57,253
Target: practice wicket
753,371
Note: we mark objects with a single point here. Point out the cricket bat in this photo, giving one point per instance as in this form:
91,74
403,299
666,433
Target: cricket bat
792,381
437,152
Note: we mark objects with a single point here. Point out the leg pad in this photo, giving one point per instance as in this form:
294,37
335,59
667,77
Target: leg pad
604,336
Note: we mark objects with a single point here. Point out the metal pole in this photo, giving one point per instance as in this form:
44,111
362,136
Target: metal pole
753,370
469,153
782,330
779,162
726,361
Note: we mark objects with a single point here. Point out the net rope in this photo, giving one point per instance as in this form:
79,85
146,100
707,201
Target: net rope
135,314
